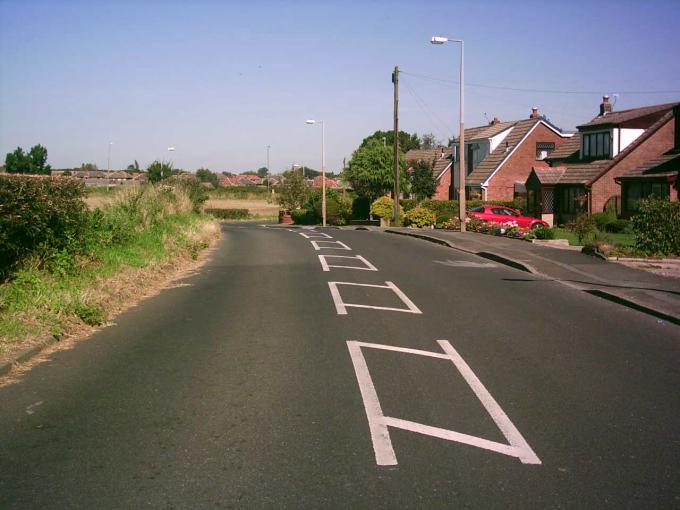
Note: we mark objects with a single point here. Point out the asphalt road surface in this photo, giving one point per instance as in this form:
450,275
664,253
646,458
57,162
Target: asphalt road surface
428,378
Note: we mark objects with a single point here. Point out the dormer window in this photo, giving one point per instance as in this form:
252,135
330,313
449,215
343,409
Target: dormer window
543,150
597,145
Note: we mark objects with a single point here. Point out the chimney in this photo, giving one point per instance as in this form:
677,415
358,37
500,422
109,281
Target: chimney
534,113
495,121
605,107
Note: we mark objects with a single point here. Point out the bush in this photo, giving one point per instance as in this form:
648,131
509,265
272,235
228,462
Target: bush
407,204
39,216
441,220
544,233
361,208
657,227
383,207
583,226
601,220
420,217
304,217
617,226
229,214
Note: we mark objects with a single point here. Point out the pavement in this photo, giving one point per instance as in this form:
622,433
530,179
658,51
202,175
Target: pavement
625,282
326,368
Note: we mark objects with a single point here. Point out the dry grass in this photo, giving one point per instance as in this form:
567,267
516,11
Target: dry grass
255,207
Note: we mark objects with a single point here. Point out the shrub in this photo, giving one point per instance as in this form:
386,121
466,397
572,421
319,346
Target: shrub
544,233
420,217
617,226
583,226
39,216
229,214
304,217
407,204
601,220
338,207
441,220
383,207
657,227
361,208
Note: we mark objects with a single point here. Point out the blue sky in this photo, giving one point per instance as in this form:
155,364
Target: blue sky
221,80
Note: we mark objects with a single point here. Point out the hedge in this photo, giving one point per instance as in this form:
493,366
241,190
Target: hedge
229,214
39,216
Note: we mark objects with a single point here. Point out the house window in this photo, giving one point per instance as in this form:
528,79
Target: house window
543,149
574,200
639,190
597,145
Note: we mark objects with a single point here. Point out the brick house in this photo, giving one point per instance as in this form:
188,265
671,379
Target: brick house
439,160
585,173
500,156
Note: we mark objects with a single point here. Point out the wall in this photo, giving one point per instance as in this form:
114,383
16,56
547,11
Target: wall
605,187
442,192
518,166
627,136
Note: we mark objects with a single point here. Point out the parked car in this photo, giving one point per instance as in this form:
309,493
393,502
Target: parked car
501,215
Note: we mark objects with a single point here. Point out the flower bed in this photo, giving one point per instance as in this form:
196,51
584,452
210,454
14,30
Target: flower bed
508,229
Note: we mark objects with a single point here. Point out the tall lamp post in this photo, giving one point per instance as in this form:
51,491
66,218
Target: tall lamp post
323,169
108,160
461,145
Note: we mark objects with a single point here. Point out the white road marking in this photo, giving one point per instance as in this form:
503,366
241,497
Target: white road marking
341,245
29,409
341,306
315,234
465,263
326,266
378,423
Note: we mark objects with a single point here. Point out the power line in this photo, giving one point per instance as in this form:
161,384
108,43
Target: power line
545,91
429,113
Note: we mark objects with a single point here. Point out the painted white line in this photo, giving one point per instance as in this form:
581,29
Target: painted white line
378,423
341,245
312,235
326,266
341,306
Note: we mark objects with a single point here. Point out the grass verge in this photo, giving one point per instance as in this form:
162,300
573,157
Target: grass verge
616,239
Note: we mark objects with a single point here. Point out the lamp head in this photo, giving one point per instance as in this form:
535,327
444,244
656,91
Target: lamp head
310,121
439,40
171,149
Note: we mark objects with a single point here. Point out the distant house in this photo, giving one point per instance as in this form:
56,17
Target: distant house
635,147
439,159
330,183
501,155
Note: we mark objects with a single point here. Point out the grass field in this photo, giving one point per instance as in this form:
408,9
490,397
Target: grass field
257,208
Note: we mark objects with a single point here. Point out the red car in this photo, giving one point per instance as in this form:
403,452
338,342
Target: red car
502,215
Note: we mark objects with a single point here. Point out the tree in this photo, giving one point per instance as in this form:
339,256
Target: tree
371,170
205,175
159,170
262,172
293,192
33,162
423,182
88,167
430,141
133,167
308,173
406,141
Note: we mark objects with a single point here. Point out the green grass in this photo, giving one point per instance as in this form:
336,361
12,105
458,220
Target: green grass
617,239
38,302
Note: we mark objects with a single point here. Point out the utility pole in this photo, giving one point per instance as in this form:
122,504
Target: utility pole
395,81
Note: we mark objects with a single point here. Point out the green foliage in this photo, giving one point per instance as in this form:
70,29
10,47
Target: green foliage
240,192
33,162
205,175
229,214
262,172
293,193
442,220
134,167
383,207
407,204
370,171
617,226
543,233
196,193
406,141
601,219
657,227
361,208
429,141
88,167
338,206
38,216
158,171
420,217
90,314
423,182
583,226
304,217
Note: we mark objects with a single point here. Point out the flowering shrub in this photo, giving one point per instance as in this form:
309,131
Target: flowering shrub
420,217
383,207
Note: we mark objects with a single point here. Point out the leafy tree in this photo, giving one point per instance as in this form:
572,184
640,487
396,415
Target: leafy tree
371,170
159,170
88,167
262,172
308,173
430,141
423,182
33,162
406,141
293,192
67,173
133,167
205,175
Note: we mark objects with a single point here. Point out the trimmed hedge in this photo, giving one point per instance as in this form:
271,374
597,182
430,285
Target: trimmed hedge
39,216
657,227
229,214
304,217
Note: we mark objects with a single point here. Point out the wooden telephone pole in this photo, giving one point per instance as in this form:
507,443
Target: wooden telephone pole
395,81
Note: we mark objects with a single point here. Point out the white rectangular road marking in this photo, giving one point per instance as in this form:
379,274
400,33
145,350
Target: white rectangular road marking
315,234
326,266
378,423
341,306
340,245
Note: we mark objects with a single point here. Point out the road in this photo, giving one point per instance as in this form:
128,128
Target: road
456,383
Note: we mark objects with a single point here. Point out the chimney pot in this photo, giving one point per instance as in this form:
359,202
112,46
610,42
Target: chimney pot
606,106
534,113
495,121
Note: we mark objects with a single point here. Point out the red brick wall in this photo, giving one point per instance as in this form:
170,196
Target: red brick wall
518,167
605,187
442,191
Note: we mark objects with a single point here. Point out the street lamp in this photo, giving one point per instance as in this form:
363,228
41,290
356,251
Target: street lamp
108,161
323,169
170,149
461,145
